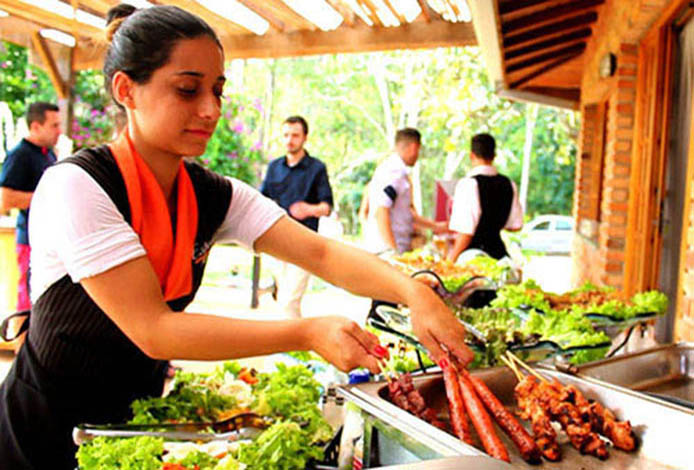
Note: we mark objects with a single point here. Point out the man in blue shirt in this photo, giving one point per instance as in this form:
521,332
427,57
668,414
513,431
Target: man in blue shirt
20,175
298,183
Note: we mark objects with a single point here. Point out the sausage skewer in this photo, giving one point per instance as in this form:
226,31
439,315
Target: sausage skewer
529,450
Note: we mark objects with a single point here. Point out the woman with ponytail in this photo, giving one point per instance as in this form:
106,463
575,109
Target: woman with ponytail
120,236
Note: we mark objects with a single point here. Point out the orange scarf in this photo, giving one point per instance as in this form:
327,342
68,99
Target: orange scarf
149,214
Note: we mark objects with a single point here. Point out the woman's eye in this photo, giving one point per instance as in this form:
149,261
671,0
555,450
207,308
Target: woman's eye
188,91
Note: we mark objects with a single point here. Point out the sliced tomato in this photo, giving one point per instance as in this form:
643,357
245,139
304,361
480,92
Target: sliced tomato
248,377
173,466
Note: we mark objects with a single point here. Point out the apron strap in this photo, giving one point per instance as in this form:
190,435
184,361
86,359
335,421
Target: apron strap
5,325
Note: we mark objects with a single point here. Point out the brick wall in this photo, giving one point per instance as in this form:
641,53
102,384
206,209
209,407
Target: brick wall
602,182
601,202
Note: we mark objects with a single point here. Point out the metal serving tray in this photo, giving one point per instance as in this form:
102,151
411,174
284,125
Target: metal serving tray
664,430
666,372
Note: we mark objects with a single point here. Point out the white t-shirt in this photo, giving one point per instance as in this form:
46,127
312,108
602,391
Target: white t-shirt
467,209
76,229
390,187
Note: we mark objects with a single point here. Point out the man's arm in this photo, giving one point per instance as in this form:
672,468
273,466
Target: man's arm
14,199
301,210
515,217
462,241
423,222
384,228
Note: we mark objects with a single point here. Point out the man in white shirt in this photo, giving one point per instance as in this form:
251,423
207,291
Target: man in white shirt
484,203
391,219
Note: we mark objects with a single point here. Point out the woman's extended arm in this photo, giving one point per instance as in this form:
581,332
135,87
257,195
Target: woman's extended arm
130,295
364,274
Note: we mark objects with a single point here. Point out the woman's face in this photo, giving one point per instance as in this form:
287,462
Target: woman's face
177,110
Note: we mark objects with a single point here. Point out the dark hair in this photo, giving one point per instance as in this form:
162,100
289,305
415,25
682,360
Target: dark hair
36,112
408,134
484,146
297,120
142,40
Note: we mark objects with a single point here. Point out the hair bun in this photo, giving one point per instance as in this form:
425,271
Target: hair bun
115,17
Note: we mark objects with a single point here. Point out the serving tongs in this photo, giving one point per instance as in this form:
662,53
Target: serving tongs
396,322
245,425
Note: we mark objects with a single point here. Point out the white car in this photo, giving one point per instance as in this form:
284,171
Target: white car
548,234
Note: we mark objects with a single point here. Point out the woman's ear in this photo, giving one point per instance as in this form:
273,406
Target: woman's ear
122,86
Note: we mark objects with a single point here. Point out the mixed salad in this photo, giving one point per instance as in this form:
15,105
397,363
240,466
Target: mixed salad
288,398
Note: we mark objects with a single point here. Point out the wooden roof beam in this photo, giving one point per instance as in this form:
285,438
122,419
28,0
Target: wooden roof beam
345,12
425,10
525,63
254,7
550,29
96,7
509,6
417,35
549,14
47,19
542,70
212,18
396,13
370,9
287,15
50,65
547,44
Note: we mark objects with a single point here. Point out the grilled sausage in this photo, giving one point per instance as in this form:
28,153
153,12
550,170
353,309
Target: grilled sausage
481,420
459,420
523,441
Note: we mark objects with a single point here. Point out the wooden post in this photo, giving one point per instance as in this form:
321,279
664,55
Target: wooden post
61,70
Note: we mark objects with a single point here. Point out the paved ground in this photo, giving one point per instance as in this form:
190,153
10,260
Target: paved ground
226,291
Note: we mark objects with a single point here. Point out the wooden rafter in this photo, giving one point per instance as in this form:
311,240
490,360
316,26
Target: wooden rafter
216,21
287,15
345,12
548,44
425,10
509,6
95,7
551,29
538,59
370,9
542,70
46,18
549,14
49,64
398,15
257,8
417,35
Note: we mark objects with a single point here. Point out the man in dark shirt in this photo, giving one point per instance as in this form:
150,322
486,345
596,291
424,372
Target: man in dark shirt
298,183
20,175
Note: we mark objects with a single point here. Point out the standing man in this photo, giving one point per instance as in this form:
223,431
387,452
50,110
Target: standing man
298,183
484,203
391,218
21,172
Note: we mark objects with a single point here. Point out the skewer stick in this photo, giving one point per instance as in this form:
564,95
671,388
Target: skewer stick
526,366
384,370
513,368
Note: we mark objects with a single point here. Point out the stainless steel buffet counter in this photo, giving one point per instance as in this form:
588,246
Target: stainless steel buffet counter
394,437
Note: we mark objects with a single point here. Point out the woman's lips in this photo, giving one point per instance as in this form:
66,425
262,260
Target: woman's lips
200,132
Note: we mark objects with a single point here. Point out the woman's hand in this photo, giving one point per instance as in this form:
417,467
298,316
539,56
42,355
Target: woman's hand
436,326
343,343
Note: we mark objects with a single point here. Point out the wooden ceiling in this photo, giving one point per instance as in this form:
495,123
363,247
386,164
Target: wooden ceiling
438,24
543,43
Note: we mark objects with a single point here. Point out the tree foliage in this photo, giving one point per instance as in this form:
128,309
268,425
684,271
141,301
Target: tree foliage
353,103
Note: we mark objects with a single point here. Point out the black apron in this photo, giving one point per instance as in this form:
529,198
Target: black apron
496,197
76,365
